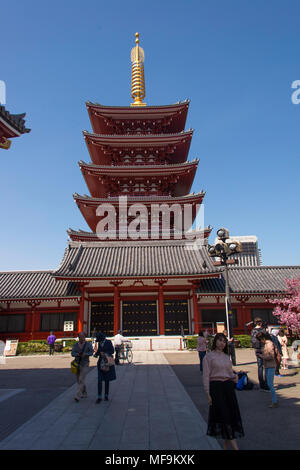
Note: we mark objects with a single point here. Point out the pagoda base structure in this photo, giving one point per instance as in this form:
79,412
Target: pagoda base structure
34,303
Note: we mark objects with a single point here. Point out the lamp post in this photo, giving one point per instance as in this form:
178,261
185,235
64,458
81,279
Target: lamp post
224,248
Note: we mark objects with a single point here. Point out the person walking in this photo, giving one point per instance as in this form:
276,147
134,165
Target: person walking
284,347
275,340
258,328
268,355
201,348
219,379
106,368
82,350
51,341
118,341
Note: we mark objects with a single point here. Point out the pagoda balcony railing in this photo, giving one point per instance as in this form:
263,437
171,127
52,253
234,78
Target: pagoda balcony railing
159,234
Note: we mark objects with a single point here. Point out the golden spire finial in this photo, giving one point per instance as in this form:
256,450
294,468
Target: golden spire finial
137,73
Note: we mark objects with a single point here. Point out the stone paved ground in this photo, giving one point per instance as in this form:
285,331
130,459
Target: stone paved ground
28,385
35,382
265,429
149,409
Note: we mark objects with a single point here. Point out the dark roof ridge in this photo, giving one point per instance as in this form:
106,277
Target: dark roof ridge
186,101
28,271
267,267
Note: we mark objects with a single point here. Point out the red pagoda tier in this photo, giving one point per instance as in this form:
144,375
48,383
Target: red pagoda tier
139,155
88,206
127,120
107,181
142,149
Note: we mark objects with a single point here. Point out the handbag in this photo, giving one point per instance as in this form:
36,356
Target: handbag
110,360
104,364
75,364
106,360
75,367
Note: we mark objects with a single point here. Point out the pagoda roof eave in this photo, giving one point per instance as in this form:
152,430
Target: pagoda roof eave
84,236
138,170
181,175
141,140
12,125
107,118
110,260
147,200
88,205
102,147
137,110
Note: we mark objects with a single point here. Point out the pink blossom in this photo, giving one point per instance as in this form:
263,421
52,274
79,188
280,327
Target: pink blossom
287,309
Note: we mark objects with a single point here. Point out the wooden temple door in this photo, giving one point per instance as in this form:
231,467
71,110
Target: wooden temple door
176,314
139,318
102,318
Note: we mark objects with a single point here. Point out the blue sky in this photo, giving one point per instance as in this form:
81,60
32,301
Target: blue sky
235,61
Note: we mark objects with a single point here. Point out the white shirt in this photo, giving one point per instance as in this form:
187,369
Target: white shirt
118,340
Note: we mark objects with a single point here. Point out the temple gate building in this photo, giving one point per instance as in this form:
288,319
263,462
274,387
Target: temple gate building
143,267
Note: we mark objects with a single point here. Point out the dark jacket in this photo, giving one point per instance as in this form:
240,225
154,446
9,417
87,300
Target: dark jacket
107,348
256,344
275,340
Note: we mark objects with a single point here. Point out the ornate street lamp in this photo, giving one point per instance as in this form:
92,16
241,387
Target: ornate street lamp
223,249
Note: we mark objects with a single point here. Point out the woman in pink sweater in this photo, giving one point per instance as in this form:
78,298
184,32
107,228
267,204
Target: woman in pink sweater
219,381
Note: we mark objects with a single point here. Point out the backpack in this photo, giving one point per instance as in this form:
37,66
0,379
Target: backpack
254,341
243,383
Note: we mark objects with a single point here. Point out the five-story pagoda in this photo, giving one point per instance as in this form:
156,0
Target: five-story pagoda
136,269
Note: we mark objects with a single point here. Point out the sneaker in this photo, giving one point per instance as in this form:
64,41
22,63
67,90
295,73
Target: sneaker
273,405
264,389
106,398
98,400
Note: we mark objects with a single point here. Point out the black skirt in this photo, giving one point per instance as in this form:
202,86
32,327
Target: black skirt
224,418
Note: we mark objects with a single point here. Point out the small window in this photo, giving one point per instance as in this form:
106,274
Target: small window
12,323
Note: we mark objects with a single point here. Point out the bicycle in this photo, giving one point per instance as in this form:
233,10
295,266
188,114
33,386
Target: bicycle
126,352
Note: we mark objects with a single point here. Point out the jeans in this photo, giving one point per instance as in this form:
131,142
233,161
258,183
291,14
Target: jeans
261,378
201,357
51,349
270,381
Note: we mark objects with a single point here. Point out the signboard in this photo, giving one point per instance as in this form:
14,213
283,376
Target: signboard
220,326
68,326
11,347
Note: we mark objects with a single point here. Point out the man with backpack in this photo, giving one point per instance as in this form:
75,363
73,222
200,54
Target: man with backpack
256,344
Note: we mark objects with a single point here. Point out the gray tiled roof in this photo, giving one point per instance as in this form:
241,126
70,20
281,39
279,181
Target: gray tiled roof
254,279
34,285
131,259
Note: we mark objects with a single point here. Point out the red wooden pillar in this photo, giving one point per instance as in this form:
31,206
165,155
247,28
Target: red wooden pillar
161,309
195,308
81,311
116,309
28,323
32,323
33,304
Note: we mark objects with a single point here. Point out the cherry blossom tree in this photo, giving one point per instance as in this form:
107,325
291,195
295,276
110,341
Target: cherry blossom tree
287,309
